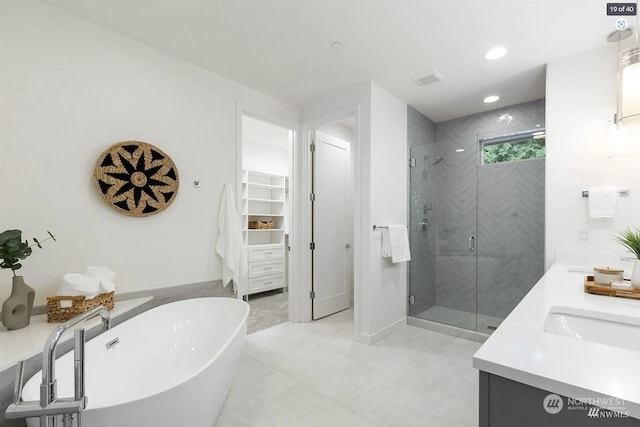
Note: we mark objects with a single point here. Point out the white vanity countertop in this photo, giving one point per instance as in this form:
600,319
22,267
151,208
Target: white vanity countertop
522,351
26,342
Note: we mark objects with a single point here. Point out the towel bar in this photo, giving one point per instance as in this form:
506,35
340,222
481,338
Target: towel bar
621,193
376,227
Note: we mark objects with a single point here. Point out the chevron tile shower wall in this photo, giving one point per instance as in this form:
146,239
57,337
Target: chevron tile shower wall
485,247
422,178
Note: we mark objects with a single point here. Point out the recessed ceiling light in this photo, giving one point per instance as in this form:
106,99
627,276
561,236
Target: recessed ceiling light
491,98
495,53
460,150
336,45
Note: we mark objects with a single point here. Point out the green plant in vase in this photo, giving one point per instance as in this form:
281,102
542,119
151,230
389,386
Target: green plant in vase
630,239
16,310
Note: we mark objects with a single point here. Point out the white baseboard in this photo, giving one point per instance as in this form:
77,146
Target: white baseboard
373,338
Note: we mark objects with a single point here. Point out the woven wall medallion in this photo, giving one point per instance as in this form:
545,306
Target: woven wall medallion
136,178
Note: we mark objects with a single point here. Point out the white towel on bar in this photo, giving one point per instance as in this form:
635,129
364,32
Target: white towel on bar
602,201
395,243
230,244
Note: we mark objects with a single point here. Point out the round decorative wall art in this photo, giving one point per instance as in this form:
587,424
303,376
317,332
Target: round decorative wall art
136,178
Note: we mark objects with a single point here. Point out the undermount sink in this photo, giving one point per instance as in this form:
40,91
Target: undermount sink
603,328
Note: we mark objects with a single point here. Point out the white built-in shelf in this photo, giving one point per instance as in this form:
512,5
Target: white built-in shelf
264,196
265,186
252,173
265,200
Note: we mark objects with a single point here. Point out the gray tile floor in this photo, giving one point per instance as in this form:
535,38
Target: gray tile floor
461,319
315,374
267,309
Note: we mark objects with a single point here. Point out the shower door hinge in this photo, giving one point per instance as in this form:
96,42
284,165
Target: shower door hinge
312,245
412,162
312,197
412,299
312,147
312,295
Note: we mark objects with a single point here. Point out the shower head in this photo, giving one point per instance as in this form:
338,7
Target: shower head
437,160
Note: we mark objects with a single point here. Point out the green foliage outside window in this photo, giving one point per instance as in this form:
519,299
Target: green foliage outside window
512,151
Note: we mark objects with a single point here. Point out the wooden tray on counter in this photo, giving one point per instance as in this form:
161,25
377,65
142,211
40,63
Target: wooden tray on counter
590,287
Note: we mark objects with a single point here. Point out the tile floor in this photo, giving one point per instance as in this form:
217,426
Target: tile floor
315,374
462,319
267,309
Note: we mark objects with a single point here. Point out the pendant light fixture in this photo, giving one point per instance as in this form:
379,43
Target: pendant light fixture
619,140
629,87
628,96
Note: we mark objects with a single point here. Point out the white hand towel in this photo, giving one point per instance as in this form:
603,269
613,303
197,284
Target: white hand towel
230,244
399,241
386,244
105,275
79,284
602,201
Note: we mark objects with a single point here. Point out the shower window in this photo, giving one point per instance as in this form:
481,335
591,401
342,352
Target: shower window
514,147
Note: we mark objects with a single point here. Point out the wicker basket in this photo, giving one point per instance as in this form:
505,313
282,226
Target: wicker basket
260,225
79,304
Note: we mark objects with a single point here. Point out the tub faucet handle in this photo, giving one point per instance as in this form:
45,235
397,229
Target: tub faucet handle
17,391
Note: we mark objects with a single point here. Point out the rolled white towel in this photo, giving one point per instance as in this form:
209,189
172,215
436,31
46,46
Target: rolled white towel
621,285
79,284
105,275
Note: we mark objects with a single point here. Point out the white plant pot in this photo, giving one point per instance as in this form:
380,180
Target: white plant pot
635,275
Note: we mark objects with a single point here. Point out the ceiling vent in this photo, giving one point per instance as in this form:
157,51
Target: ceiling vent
428,79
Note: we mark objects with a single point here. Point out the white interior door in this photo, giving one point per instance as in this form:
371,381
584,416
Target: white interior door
331,230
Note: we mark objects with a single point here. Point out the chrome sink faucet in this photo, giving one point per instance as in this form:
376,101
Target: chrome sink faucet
49,404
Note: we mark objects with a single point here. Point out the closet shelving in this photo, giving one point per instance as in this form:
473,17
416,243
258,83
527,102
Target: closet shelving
263,201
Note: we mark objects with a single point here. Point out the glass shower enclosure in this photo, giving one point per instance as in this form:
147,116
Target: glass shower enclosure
476,231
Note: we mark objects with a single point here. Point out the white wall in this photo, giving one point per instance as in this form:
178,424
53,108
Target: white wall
68,90
265,147
580,103
340,130
386,296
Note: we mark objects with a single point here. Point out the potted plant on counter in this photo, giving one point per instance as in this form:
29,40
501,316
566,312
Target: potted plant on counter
630,239
16,310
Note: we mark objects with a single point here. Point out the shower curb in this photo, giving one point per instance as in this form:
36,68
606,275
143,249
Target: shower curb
447,329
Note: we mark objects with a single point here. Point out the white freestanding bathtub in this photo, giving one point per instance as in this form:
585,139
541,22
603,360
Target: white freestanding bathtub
173,366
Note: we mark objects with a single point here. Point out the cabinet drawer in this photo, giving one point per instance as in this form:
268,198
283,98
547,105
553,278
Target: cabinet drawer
260,268
263,253
265,283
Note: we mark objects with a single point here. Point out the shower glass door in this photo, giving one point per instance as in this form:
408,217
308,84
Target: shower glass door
443,235
476,227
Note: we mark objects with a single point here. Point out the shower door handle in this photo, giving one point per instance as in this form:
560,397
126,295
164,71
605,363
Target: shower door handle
472,243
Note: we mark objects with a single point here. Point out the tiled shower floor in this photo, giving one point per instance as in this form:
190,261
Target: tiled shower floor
461,319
